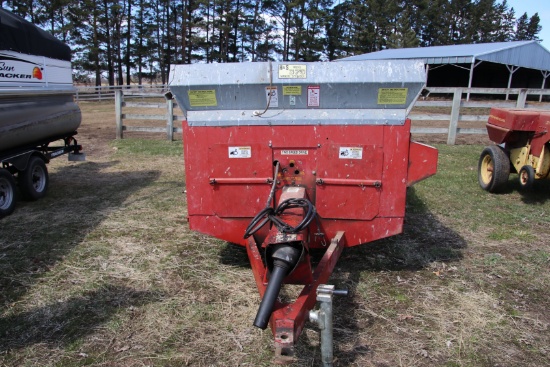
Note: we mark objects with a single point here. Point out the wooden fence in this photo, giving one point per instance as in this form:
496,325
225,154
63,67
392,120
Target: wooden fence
103,93
168,116
458,105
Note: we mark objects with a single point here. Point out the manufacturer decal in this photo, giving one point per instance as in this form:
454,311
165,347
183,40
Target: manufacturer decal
284,237
292,71
57,153
37,73
294,152
12,67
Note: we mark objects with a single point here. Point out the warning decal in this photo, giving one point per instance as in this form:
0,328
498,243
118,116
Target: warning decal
392,95
313,98
272,96
202,98
292,90
351,153
240,152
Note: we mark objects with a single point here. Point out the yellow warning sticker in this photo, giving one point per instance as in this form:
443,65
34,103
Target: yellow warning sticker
292,90
392,95
292,71
202,98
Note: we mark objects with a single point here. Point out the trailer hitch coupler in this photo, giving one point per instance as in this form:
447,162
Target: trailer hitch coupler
285,257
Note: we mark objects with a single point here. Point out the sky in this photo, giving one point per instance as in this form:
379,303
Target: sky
531,7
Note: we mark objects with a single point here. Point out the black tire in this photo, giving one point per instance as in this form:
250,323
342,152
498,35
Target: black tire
526,177
34,180
493,168
7,193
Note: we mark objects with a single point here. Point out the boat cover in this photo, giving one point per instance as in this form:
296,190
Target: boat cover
17,34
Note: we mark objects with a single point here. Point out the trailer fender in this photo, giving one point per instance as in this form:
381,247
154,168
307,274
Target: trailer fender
20,161
422,162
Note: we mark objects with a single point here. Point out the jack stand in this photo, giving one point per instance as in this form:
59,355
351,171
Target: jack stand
323,318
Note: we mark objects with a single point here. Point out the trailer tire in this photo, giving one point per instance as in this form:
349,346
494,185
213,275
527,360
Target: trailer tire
34,180
526,177
493,168
8,195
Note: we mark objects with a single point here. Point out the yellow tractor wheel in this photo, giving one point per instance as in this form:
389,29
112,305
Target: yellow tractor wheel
493,168
526,177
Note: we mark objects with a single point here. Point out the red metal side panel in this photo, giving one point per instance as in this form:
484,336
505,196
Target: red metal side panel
394,186
514,119
499,134
207,157
241,184
355,175
348,191
542,135
422,162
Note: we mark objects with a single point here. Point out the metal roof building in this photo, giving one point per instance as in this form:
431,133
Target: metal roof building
481,65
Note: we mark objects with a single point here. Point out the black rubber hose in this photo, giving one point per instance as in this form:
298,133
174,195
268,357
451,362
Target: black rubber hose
271,293
285,257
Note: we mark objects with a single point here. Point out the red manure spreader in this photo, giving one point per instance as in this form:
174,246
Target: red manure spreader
285,157
523,140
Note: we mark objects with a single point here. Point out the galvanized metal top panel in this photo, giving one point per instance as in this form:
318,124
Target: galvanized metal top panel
527,54
286,93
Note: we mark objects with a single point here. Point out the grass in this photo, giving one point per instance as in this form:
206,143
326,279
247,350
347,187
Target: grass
104,271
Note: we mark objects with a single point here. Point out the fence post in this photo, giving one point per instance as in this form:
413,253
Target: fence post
522,97
119,97
170,119
455,114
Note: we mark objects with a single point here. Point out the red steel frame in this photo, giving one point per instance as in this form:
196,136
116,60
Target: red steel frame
358,200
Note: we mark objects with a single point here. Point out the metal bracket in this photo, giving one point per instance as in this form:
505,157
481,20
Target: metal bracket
323,318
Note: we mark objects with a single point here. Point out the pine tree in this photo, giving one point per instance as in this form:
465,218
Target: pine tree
521,28
338,29
534,27
404,36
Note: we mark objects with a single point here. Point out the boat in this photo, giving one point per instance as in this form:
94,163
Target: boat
36,88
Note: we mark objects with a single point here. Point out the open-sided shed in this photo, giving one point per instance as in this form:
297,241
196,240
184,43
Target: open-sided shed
519,64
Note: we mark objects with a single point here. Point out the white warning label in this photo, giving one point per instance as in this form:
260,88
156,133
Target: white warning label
313,95
351,153
272,96
240,152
